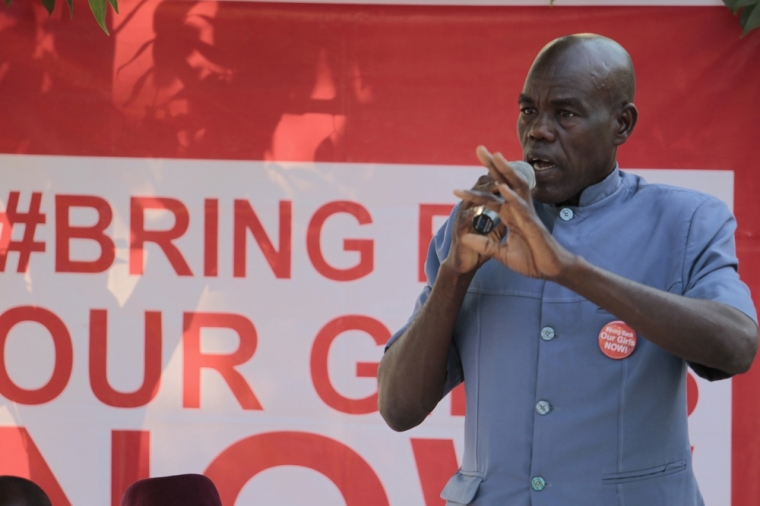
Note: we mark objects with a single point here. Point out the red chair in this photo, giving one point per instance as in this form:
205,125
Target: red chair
180,490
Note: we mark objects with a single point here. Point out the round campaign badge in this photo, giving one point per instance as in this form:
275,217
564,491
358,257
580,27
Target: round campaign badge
617,340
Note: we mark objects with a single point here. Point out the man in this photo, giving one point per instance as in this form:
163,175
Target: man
573,326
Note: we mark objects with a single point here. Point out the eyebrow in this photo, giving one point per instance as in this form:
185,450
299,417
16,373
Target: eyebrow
559,102
524,99
568,102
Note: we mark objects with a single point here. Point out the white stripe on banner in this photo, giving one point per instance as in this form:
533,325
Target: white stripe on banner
291,270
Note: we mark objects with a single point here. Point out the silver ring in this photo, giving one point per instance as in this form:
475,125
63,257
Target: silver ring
485,220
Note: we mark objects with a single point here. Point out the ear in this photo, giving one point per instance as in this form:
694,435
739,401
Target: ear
626,122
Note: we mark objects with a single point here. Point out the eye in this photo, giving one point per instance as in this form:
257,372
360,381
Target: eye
566,114
528,110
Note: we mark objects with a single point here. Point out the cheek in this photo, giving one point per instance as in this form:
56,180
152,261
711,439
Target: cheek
579,143
522,128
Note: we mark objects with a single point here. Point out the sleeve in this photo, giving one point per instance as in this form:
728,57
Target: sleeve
710,268
437,251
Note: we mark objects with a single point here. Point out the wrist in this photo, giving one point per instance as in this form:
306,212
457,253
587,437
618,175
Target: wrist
572,269
452,276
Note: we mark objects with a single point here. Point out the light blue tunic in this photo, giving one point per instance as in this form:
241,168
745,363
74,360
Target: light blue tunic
551,420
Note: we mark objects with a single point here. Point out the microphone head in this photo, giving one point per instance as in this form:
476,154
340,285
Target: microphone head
526,171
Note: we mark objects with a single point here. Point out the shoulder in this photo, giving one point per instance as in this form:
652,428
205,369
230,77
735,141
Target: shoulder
669,198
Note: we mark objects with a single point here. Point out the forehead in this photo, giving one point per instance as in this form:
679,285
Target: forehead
572,74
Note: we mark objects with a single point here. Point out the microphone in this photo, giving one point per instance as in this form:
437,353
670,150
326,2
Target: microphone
486,220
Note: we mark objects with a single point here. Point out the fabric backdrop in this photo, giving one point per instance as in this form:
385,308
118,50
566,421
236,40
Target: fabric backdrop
212,221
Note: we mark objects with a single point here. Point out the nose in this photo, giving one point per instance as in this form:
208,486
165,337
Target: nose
542,128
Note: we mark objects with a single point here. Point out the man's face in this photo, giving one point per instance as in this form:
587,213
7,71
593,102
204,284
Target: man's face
566,128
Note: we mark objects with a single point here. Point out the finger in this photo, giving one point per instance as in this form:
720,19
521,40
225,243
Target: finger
479,198
512,178
484,180
491,187
486,183
482,245
484,156
465,211
514,202
487,160
509,195
464,217
490,161
516,212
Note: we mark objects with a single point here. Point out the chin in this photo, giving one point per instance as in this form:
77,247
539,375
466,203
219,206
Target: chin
546,196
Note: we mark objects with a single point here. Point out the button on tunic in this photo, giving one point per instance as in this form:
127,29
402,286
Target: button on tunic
547,333
543,407
537,483
611,431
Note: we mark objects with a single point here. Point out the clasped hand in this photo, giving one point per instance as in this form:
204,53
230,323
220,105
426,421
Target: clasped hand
529,248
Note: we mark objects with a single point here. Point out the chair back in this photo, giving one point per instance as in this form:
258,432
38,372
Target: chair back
16,491
180,490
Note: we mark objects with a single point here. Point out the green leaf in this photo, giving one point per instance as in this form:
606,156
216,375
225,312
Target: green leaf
752,20
745,15
49,5
735,5
98,8
71,8
115,5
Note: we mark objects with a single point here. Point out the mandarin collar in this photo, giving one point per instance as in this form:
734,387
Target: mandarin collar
602,189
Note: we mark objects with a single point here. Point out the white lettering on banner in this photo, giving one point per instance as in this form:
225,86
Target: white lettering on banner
203,315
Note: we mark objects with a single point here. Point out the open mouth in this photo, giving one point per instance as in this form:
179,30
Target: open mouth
540,164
